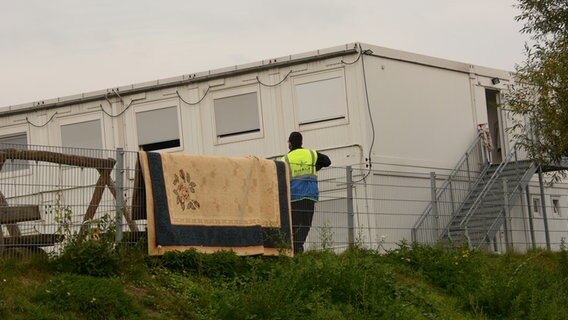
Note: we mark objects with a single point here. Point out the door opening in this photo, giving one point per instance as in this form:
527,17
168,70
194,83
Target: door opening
493,121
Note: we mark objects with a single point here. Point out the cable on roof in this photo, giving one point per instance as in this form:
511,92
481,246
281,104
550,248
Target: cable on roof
273,85
117,115
43,125
356,59
194,103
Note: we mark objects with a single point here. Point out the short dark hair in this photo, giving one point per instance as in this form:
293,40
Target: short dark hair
295,139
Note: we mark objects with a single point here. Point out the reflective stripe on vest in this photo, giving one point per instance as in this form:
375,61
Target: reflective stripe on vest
302,163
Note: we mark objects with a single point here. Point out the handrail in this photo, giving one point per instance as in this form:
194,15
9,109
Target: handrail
477,143
489,185
510,196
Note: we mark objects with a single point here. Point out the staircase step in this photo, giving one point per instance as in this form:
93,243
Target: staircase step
488,212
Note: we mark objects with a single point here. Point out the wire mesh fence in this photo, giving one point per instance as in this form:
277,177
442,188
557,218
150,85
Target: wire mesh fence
49,195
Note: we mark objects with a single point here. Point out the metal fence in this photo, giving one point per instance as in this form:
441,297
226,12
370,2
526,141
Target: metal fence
50,194
447,198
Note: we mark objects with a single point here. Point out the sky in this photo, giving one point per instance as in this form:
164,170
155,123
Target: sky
57,48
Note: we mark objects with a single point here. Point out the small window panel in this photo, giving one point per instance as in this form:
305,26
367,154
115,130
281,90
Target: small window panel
86,134
158,129
236,115
556,206
17,141
536,205
321,100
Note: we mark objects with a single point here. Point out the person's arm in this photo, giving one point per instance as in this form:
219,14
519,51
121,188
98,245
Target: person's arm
322,162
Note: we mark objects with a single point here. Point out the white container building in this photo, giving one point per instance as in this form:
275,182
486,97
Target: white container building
393,116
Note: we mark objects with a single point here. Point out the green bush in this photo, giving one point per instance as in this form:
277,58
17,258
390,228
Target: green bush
90,257
354,285
528,286
180,296
87,297
457,270
221,264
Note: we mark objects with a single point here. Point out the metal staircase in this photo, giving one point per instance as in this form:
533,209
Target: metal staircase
484,212
474,209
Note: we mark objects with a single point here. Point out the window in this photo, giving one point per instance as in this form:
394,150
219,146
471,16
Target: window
321,98
556,206
536,205
16,141
236,115
158,129
86,134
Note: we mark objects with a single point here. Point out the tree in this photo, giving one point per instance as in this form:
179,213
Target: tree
540,93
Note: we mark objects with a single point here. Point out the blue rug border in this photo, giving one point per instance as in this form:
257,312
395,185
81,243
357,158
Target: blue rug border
215,236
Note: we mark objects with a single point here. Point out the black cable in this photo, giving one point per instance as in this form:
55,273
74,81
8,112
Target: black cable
119,114
273,85
194,103
357,59
43,125
369,110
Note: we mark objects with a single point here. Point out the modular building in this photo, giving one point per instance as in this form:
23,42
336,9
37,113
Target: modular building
401,129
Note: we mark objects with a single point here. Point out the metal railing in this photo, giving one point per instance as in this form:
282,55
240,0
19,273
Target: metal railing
515,155
455,189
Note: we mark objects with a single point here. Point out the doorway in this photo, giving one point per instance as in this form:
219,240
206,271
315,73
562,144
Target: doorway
494,121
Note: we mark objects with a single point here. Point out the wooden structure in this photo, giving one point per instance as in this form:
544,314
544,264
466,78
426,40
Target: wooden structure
10,215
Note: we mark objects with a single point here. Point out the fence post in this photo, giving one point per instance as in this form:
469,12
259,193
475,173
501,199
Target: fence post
350,214
434,206
119,182
507,215
531,223
543,205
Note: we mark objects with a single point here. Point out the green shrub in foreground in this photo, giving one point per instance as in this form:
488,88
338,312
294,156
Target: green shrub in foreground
531,286
221,264
90,257
87,297
354,285
457,270
511,286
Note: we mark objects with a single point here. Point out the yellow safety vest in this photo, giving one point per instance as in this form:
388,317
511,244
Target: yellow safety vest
302,163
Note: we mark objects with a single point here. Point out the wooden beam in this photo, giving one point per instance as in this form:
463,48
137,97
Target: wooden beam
95,200
33,240
131,224
59,158
13,214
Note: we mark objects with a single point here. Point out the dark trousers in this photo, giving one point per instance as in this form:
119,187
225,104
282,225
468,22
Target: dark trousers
302,216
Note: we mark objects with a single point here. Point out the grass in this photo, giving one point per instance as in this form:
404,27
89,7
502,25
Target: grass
411,282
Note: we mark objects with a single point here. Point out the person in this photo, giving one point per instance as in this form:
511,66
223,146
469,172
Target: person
485,135
304,193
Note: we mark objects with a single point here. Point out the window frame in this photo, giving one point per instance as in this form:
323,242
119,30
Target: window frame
75,119
555,205
314,77
536,206
14,132
233,92
154,106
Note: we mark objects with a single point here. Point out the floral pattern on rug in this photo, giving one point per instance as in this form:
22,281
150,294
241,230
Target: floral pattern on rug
183,190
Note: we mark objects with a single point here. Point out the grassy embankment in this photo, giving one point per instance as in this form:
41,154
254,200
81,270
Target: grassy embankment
92,280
